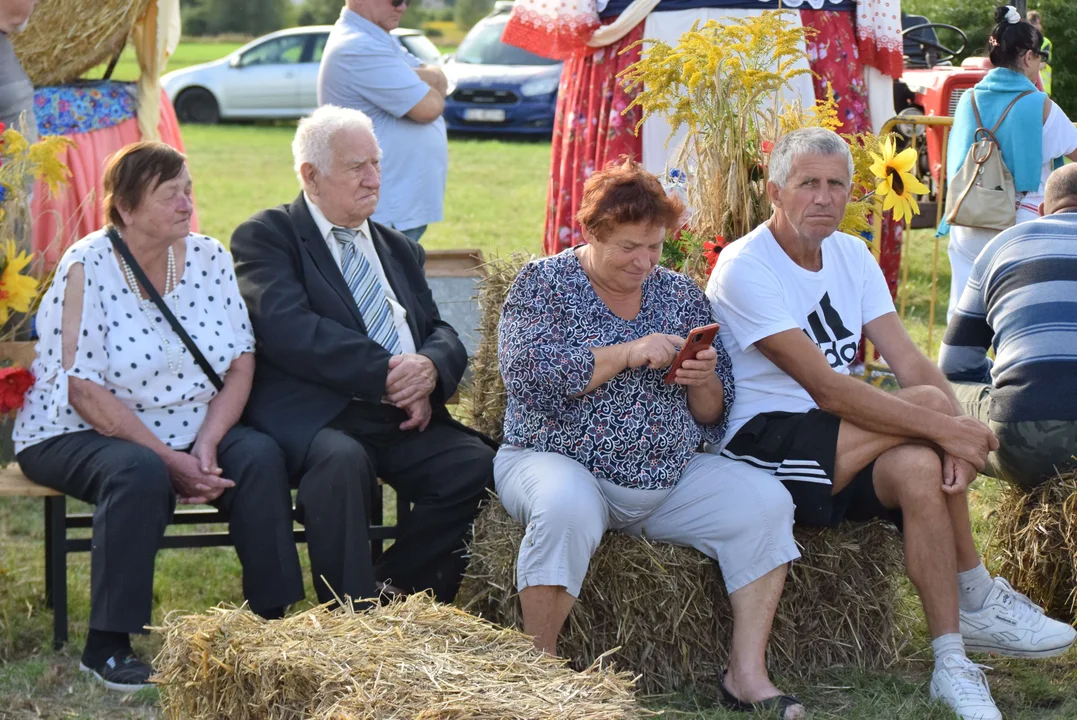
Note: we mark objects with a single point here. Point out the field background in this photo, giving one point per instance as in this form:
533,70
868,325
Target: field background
494,202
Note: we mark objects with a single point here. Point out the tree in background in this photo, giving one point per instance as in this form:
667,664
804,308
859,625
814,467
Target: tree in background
469,12
249,17
977,19
319,12
326,12
1060,24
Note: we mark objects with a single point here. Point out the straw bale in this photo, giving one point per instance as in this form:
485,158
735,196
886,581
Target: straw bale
413,658
486,400
666,607
65,38
1034,544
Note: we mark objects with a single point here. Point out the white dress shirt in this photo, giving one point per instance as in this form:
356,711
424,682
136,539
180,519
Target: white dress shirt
366,246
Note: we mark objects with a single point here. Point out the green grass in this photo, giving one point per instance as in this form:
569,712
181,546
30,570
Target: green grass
187,54
495,202
920,256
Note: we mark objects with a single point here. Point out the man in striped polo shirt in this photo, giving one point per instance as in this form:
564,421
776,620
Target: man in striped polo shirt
1021,299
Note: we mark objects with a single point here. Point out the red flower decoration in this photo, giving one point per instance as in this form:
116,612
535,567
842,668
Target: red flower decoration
767,146
14,382
711,249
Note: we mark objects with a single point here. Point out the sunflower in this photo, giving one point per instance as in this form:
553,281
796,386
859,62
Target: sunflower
17,291
897,184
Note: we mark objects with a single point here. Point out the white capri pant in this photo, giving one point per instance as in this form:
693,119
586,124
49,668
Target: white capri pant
731,512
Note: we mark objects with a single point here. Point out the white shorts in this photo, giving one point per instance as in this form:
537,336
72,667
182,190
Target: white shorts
731,512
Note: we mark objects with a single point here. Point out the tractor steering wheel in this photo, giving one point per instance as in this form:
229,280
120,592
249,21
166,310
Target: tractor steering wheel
945,54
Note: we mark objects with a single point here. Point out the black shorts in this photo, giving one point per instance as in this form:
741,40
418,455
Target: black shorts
799,449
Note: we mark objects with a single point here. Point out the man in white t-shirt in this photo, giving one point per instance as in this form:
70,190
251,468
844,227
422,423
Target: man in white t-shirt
793,298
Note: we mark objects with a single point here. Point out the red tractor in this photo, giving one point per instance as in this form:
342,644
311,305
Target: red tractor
932,85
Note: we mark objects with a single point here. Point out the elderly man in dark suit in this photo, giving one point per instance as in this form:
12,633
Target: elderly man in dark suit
354,368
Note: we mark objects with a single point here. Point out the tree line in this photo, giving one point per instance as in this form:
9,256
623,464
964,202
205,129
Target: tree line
257,17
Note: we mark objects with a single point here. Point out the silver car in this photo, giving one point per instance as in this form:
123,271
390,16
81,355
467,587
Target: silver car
273,77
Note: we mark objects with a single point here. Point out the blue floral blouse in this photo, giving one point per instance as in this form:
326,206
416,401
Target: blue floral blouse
634,430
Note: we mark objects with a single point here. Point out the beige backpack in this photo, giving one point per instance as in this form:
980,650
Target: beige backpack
982,193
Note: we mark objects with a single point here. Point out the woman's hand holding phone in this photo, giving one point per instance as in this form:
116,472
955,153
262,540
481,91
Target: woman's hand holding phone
697,372
695,363
655,351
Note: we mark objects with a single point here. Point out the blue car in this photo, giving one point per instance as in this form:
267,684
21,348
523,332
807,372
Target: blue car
500,88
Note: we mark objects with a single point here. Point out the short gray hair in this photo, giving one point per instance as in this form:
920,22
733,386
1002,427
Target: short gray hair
805,141
1061,190
314,135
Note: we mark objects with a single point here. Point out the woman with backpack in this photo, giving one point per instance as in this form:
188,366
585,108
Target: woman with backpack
1002,110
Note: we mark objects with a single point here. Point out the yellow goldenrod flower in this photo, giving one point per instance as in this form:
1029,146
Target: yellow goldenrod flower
897,184
17,291
13,141
45,157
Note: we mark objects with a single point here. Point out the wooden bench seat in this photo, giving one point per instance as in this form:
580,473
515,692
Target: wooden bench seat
58,544
14,484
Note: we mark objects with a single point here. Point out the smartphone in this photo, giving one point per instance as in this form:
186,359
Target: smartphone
699,339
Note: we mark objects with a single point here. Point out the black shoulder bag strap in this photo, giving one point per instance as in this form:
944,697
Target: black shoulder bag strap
140,275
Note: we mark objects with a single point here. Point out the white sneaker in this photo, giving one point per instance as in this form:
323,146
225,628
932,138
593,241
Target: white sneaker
1011,624
961,684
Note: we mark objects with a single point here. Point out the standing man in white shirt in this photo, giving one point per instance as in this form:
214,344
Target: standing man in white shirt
365,68
794,297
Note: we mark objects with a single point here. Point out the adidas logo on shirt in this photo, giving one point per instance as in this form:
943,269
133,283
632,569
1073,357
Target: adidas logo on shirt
829,332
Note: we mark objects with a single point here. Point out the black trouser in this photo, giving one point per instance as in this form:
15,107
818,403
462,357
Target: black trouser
134,498
443,470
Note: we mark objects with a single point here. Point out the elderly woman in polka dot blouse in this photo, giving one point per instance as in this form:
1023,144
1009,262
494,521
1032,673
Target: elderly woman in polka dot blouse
123,417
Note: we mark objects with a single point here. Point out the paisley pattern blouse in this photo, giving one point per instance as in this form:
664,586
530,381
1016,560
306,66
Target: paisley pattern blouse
634,430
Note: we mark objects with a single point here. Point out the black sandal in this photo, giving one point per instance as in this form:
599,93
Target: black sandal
780,703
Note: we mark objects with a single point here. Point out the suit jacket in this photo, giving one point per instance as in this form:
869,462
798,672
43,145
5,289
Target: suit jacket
313,354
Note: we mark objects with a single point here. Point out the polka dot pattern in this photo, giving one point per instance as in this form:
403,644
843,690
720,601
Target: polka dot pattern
120,349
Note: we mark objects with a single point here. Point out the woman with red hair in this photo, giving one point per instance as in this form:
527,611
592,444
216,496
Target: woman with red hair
596,439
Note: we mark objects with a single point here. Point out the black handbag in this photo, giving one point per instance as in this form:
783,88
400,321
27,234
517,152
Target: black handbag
140,275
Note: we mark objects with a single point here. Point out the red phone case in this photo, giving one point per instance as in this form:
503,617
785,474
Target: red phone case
699,339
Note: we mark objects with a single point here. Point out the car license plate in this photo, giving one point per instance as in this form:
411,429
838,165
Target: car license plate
484,114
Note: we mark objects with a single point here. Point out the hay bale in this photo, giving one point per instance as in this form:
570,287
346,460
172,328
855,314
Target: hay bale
486,400
411,659
666,607
1034,544
65,38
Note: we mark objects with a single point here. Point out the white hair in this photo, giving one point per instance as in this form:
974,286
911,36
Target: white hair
313,142
805,141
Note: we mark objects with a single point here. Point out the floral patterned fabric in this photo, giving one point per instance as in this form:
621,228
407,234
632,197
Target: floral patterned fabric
835,59
83,108
554,29
589,132
634,430
878,33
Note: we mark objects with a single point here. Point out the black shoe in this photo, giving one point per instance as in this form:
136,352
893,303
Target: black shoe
775,706
123,672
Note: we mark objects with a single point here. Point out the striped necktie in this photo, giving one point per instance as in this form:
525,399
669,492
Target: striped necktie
366,288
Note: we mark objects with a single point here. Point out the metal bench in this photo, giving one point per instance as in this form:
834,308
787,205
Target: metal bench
58,522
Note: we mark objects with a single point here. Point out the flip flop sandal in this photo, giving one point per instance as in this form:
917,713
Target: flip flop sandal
780,703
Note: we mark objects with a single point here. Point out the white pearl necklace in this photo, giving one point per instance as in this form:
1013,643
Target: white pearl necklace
149,306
